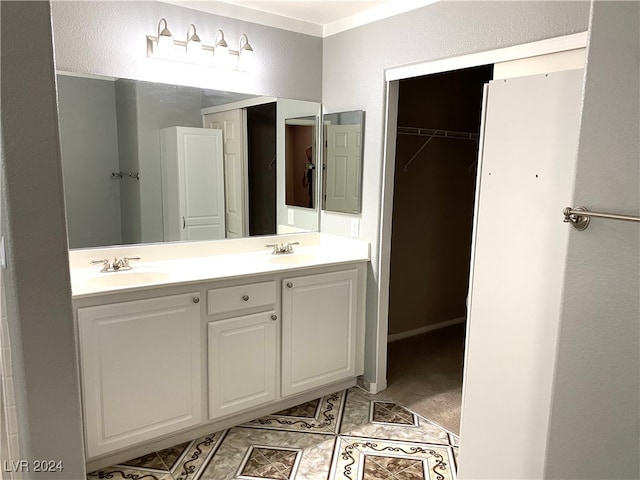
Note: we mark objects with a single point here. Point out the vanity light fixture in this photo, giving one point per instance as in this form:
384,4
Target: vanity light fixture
164,42
194,44
245,57
221,51
164,47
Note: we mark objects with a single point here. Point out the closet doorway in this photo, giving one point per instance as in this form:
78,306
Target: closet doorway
436,159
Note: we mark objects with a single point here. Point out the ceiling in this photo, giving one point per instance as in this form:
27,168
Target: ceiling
318,18
321,13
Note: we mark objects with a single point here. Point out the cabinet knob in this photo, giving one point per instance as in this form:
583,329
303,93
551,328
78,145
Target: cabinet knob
245,298
196,299
274,317
289,285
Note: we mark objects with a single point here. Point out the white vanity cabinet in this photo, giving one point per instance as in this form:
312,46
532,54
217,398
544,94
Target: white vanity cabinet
242,349
141,370
164,364
319,328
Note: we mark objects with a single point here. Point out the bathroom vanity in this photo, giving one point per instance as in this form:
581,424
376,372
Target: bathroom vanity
201,336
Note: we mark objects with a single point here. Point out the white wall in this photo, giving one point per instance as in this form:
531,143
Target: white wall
89,142
594,431
353,78
37,285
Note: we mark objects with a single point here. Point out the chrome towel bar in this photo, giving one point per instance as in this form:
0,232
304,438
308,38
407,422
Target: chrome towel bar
579,217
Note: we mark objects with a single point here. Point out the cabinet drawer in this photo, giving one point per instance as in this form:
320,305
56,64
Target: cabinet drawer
229,299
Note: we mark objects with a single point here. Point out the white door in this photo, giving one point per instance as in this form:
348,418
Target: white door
232,123
343,168
192,183
318,330
242,363
141,370
525,179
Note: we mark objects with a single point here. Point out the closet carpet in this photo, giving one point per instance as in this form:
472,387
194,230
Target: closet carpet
424,373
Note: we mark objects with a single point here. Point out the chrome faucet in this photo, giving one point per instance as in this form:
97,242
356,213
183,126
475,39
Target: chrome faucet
118,264
282,248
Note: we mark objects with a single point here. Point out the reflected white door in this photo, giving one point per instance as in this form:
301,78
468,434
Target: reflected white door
343,168
232,123
192,184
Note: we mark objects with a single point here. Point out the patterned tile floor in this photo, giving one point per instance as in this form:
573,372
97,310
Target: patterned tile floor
349,435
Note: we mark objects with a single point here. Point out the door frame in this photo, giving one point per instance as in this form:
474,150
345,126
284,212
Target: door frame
392,77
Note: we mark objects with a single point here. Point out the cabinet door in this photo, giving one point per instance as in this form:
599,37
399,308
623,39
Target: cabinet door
242,363
318,330
141,370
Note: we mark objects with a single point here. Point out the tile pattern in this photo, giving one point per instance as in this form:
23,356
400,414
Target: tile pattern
349,435
392,413
318,416
269,463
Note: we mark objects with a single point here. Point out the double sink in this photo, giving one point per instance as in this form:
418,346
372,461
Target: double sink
92,280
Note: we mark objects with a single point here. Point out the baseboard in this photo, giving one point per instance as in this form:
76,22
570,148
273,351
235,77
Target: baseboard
429,328
371,387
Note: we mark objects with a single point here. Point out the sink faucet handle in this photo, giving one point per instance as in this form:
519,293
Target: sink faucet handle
125,260
104,262
274,246
288,248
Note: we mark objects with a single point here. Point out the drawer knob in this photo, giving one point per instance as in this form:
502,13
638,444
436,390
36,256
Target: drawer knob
289,285
274,317
196,299
245,298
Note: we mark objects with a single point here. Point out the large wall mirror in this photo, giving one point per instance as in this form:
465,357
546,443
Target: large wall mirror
148,162
342,161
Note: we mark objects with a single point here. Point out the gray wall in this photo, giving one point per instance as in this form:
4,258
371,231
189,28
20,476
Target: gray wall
595,408
109,38
159,106
89,142
127,118
37,286
353,78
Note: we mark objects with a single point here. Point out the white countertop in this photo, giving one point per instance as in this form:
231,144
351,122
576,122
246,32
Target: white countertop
190,262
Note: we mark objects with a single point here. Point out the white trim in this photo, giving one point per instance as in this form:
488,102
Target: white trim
262,17
373,15
249,102
394,337
516,52
392,75
252,15
86,75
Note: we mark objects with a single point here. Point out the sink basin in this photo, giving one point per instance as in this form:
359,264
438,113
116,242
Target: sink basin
124,279
292,258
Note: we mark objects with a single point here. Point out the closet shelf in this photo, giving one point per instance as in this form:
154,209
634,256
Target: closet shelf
431,134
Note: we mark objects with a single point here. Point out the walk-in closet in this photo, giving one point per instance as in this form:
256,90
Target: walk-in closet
433,204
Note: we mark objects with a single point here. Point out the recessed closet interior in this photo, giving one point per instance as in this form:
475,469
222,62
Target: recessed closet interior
433,203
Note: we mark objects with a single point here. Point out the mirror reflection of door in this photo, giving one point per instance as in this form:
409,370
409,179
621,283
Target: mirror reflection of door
342,176
342,192
299,162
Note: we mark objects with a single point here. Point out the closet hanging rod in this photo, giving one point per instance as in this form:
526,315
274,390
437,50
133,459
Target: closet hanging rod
432,133
579,217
